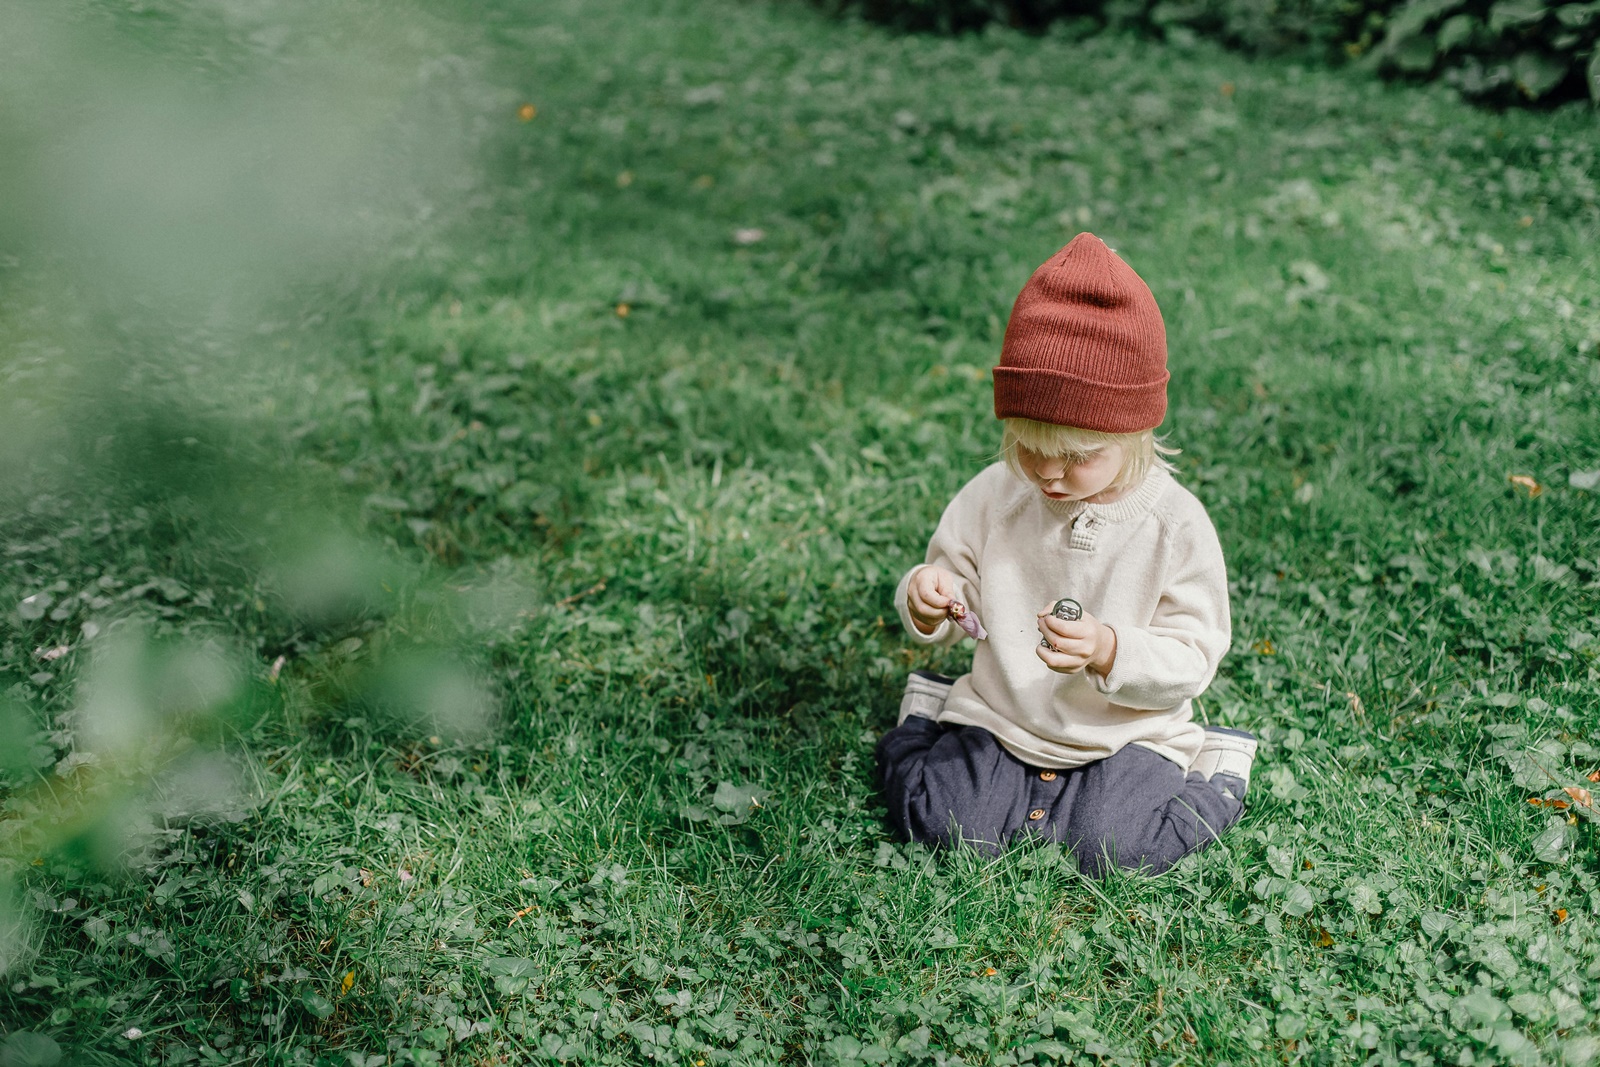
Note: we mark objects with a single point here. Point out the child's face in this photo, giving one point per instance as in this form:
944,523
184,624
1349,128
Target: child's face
1079,476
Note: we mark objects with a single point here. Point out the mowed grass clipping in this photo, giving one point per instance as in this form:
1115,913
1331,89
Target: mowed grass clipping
652,414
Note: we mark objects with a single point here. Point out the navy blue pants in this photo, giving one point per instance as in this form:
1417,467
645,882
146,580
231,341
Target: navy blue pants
948,784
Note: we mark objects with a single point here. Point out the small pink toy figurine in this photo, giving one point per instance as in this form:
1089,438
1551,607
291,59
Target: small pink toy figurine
967,620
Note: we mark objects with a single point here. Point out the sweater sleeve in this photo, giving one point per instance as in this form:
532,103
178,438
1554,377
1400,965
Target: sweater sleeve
956,546
1175,656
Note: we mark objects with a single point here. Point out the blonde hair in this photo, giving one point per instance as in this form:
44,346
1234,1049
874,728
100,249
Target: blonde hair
1141,452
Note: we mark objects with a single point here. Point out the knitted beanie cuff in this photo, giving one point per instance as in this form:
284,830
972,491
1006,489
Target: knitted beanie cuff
1065,399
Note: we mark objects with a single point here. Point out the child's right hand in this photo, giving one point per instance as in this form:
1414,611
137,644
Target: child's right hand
929,596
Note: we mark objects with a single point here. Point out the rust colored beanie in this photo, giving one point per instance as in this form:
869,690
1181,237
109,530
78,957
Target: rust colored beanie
1085,346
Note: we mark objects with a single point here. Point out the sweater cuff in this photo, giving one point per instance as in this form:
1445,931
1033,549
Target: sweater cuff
1125,666
1152,672
941,634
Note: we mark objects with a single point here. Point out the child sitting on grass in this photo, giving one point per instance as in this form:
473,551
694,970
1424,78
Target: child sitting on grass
1074,726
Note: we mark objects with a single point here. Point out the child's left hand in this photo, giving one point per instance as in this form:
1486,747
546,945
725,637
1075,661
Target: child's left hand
1069,647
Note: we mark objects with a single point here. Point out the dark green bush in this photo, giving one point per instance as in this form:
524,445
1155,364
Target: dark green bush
1496,51
1505,51
1330,29
958,16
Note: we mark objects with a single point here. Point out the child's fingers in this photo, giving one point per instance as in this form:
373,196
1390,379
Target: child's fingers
930,588
1077,650
1063,660
1063,635
1059,630
926,602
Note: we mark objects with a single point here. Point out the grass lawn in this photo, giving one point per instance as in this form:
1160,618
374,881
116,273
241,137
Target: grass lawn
529,574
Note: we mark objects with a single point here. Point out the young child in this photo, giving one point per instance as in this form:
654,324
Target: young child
1074,730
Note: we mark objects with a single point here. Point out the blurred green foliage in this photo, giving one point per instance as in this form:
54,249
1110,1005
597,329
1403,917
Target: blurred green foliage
175,178
1494,51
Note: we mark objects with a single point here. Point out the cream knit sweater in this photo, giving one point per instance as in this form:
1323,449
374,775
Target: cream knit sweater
1147,565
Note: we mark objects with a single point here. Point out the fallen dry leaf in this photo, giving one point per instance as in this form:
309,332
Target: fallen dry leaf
1580,796
1523,481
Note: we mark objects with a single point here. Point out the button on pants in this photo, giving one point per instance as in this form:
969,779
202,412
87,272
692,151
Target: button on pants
950,784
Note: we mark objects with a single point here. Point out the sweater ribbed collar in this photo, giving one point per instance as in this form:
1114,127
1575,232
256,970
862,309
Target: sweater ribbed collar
1135,504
